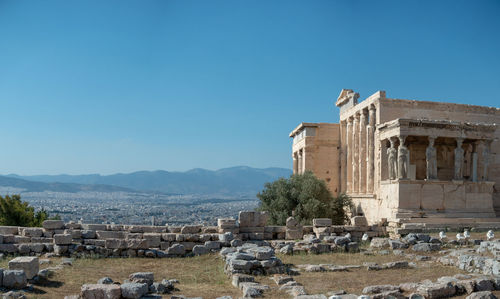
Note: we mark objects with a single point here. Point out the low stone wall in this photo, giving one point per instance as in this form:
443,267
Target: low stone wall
165,241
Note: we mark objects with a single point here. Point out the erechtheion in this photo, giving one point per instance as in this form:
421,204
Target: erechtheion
407,161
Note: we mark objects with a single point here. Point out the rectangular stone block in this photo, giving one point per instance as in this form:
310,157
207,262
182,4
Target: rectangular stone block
115,244
154,239
191,229
8,239
168,237
322,222
21,239
28,264
73,225
62,239
252,218
88,234
188,245
209,229
31,231
53,224
138,244
94,291
292,234
110,234
9,230
8,248
134,236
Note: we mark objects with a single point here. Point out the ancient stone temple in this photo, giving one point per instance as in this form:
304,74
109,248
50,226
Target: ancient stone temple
406,161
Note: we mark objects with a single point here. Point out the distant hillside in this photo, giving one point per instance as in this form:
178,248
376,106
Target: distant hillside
232,181
31,186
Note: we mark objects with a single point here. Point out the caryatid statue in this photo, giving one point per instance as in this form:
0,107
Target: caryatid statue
392,158
486,158
459,159
431,160
402,159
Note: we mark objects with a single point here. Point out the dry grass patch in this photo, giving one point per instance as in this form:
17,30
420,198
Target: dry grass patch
354,281
198,276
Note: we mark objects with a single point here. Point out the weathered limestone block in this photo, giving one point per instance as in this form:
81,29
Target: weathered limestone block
176,249
293,234
21,239
14,279
191,229
73,225
170,237
359,221
37,247
134,236
9,230
75,233
223,223
28,264
322,222
8,248
110,234
321,231
137,244
53,224
252,219
116,243
379,243
142,277
200,250
209,229
188,245
100,291
134,290
62,239
153,239
88,234
31,231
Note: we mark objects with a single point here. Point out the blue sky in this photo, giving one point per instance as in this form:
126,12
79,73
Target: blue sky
120,86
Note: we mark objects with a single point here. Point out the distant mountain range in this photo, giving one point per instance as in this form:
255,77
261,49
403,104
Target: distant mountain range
228,181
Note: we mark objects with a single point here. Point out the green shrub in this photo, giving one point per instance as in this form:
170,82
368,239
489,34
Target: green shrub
15,212
304,195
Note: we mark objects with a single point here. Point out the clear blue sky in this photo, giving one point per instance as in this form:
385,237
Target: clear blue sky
120,86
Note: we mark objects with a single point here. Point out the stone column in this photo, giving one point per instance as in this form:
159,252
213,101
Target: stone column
355,156
304,160
295,163
370,166
486,158
349,164
403,159
363,122
431,160
474,161
300,163
459,159
343,157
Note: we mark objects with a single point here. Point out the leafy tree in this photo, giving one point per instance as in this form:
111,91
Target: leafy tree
306,197
15,212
